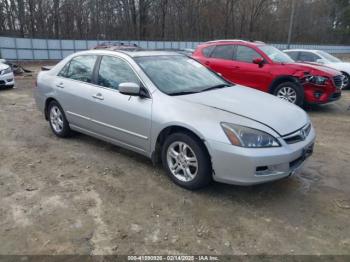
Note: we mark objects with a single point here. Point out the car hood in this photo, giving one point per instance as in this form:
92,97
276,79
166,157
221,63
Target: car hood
314,69
341,66
3,66
283,117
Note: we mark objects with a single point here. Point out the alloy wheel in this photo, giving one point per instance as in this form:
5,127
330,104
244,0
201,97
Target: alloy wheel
287,93
182,161
56,119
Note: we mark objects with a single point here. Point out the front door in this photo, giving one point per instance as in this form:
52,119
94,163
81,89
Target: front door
125,119
249,74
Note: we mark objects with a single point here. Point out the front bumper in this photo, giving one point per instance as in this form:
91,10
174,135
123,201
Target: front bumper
249,166
7,79
321,94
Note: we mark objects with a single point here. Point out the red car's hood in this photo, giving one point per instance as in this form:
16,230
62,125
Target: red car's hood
314,69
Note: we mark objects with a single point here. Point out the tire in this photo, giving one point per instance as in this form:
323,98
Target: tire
58,123
347,87
291,92
201,174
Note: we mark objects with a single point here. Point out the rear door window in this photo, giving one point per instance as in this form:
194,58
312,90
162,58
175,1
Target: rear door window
208,50
223,52
80,68
246,54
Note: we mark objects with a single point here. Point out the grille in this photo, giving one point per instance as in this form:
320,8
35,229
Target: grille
338,81
2,82
299,135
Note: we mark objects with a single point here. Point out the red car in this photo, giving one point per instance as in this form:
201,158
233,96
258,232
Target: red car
264,67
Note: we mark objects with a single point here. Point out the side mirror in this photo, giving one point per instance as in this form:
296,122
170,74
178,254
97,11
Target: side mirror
129,88
259,61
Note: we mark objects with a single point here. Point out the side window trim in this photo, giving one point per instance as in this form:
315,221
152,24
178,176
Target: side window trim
96,70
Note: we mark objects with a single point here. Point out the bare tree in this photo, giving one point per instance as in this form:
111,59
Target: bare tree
321,21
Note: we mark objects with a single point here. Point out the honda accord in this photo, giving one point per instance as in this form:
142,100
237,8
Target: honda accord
174,110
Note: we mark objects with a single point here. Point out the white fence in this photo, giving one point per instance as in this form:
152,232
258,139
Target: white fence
53,49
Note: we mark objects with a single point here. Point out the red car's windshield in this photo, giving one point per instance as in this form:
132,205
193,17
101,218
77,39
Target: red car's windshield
275,54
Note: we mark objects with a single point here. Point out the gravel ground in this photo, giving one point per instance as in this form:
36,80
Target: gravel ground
84,196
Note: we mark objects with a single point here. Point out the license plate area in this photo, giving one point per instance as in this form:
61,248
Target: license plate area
306,153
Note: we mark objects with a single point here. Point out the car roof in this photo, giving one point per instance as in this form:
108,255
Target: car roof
301,50
133,54
220,41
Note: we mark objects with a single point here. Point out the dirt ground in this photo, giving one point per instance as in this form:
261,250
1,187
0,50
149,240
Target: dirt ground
84,196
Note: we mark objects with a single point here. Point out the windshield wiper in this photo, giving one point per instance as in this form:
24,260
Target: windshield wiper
215,87
182,93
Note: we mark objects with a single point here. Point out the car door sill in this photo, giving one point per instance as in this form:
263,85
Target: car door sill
109,126
108,139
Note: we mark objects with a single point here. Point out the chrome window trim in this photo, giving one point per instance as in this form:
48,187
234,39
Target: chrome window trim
111,55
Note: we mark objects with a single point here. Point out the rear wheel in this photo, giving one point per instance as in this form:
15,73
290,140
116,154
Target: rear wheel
58,122
186,161
291,92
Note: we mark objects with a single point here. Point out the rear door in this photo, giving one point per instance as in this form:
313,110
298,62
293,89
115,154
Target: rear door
221,61
125,119
249,74
74,90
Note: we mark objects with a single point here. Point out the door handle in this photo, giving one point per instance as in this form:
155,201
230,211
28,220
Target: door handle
98,96
207,63
236,67
60,85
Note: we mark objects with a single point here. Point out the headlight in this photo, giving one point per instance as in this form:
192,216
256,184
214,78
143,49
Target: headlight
248,137
318,80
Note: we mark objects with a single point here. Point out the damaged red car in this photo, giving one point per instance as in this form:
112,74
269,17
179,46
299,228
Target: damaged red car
264,67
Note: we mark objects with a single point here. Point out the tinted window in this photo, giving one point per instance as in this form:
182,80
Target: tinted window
246,54
293,55
223,52
114,71
80,68
208,50
308,57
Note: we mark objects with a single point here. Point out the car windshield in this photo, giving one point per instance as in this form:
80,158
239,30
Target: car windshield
179,75
329,57
275,54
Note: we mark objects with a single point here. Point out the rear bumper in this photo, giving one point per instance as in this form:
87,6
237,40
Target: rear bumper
39,100
7,79
247,166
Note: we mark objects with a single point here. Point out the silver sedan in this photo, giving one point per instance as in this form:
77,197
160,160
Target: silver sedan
174,110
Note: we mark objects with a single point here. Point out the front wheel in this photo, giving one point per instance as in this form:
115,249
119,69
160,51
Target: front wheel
291,92
186,161
346,81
